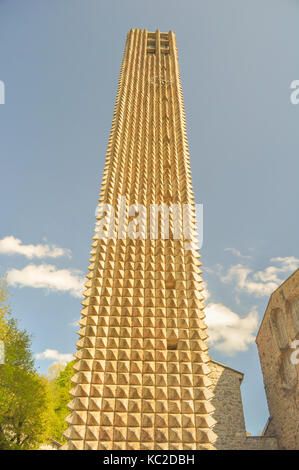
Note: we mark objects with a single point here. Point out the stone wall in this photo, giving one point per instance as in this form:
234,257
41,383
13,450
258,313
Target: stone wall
259,443
228,405
230,427
278,330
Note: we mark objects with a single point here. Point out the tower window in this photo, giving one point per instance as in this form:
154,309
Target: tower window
172,344
164,46
170,285
151,43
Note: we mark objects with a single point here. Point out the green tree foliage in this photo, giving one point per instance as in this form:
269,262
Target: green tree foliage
32,408
24,405
25,415
4,306
60,388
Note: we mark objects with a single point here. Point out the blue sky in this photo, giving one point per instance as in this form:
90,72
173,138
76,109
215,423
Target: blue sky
60,61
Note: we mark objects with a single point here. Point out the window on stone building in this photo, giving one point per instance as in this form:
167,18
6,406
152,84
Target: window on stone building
172,344
151,43
164,46
279,324
295,314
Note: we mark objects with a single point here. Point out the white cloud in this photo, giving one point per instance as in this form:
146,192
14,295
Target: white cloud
228,332
261,283
206,291
289,263
240,275
53,354
46,276
237,253
13,246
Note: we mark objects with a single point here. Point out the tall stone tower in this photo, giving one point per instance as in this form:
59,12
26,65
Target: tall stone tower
142,362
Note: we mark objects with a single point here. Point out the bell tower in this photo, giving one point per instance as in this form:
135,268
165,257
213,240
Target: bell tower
142,370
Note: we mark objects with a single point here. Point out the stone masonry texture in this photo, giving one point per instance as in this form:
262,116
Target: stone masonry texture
230,425
276,345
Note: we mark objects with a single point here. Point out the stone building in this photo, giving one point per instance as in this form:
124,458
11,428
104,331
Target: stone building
230,424
278,346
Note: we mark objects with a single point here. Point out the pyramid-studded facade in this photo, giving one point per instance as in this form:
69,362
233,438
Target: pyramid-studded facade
142,366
